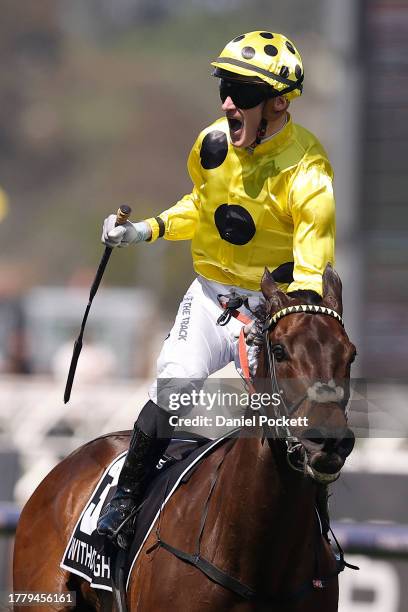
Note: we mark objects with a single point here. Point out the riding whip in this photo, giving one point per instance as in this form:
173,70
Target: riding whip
121,217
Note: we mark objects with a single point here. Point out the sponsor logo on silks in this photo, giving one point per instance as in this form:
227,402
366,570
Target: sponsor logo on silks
185,321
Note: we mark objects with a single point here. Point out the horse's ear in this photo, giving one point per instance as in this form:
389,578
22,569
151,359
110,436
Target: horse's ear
332,290
276,298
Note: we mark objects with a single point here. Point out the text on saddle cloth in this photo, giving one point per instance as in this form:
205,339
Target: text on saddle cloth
85,554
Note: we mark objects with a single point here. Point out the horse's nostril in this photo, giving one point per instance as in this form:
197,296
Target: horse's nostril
346,444
314,437
331,444
341,443
338,441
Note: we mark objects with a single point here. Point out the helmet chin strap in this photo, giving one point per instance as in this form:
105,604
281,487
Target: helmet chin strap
262,127
261,131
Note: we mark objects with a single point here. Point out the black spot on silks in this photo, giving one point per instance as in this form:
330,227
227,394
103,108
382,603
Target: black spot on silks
290,47
248,52
234,224
266,35
270,50
284,273
214,149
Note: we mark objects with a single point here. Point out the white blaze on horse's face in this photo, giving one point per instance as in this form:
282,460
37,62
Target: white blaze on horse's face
324,393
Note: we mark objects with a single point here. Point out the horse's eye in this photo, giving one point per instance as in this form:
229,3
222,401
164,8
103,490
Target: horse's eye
279,352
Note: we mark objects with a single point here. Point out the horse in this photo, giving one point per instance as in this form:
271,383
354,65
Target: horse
261,537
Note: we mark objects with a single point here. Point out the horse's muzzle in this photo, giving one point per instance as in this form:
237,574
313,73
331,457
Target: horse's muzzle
326,452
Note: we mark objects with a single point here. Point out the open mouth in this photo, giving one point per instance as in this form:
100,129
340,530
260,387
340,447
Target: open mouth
234,124
324,467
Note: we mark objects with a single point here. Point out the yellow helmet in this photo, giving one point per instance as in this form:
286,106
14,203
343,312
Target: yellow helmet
263,57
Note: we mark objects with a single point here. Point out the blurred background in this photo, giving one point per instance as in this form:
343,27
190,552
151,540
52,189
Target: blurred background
100,103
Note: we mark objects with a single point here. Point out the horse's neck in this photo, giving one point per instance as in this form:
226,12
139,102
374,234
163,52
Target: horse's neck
263,510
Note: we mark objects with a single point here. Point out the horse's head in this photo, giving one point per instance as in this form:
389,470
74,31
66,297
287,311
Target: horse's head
308,360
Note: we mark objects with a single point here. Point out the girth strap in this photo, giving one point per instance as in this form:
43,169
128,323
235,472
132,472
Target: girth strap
211,571
219,577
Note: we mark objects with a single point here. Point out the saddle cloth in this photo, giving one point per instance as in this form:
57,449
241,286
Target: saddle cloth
85,554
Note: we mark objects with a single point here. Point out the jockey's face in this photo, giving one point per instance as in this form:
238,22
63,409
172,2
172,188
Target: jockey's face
243,123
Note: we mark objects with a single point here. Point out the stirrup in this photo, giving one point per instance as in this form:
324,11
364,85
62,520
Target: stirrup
121,536
122,525
125,531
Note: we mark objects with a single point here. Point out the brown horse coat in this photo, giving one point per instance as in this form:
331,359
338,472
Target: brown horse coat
261,528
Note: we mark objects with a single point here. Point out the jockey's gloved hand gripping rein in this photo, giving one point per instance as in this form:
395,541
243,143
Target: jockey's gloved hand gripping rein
121,218
114,235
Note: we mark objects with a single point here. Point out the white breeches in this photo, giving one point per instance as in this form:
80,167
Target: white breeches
196,346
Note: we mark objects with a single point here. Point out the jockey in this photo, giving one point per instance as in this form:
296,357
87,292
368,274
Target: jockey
262,196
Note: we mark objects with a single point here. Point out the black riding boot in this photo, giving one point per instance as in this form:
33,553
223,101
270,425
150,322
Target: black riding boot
142,457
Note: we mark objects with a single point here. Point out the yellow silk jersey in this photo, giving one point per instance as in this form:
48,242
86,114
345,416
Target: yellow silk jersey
255,208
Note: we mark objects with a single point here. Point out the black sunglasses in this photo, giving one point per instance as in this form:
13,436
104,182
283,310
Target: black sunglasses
243,95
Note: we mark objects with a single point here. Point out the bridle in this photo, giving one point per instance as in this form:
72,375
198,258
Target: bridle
293,444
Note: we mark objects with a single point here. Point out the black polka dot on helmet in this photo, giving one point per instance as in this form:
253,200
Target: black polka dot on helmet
284,72
238,38
270,50
266,34
290,47
298,71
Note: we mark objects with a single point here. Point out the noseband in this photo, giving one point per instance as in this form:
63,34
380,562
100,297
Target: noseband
293,443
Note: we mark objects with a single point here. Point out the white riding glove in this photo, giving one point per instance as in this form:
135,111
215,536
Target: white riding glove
123,235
